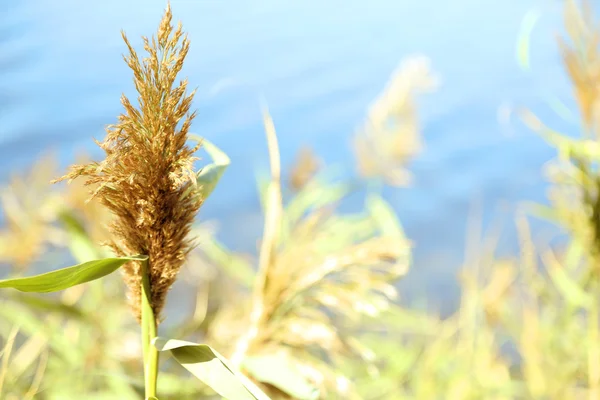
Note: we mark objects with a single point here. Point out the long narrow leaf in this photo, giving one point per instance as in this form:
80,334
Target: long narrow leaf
80,244
573,293
523,43
67,277
209,176
385,217
232,264
14,314
49,305
213,369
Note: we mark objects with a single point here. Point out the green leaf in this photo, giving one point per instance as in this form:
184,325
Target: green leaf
385,217
560,108
172,386
575,253
523,41
213,369
262,186
80,244
575,295
570,147
543,212
314,196
209,176
30,323
279,371
49,305
234,265
67,277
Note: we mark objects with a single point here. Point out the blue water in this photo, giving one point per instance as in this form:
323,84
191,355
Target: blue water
318,64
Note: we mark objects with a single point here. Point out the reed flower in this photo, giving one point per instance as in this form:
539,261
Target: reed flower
305,167
391,135
582,59
147,179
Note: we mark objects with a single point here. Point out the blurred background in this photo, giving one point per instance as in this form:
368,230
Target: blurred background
319,65
461,168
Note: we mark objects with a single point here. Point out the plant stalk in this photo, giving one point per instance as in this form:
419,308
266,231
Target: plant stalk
148,333
273,213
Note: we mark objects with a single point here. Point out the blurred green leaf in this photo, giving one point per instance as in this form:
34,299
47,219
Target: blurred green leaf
574,254
80,244
234,265
523,41
67,277
173,386
570,147
568,287
278,370
315,195
209,176
39,303
262,185
104,395
31,324
544,212
385,217
210,367
560,108
344,230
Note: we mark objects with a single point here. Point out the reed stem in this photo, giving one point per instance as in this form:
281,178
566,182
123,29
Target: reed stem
148,333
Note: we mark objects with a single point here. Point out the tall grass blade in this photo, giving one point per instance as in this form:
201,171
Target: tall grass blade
70,276
49,305
384,216
80,244
213,369
572,292
523,42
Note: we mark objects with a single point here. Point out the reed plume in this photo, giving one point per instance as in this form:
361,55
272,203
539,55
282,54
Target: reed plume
305,167
391,134
147,179
581,59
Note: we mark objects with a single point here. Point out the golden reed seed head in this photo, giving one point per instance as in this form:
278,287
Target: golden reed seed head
148,170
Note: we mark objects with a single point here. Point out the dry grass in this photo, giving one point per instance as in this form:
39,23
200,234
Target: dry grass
391,134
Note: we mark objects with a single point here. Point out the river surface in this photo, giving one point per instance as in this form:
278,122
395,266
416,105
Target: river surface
318,64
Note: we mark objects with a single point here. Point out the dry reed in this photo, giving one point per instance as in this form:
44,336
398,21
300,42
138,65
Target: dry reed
146,179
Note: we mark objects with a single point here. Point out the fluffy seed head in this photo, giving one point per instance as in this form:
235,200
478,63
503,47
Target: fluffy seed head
147,179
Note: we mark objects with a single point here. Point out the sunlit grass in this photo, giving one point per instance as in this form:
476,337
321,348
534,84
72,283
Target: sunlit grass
317,310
